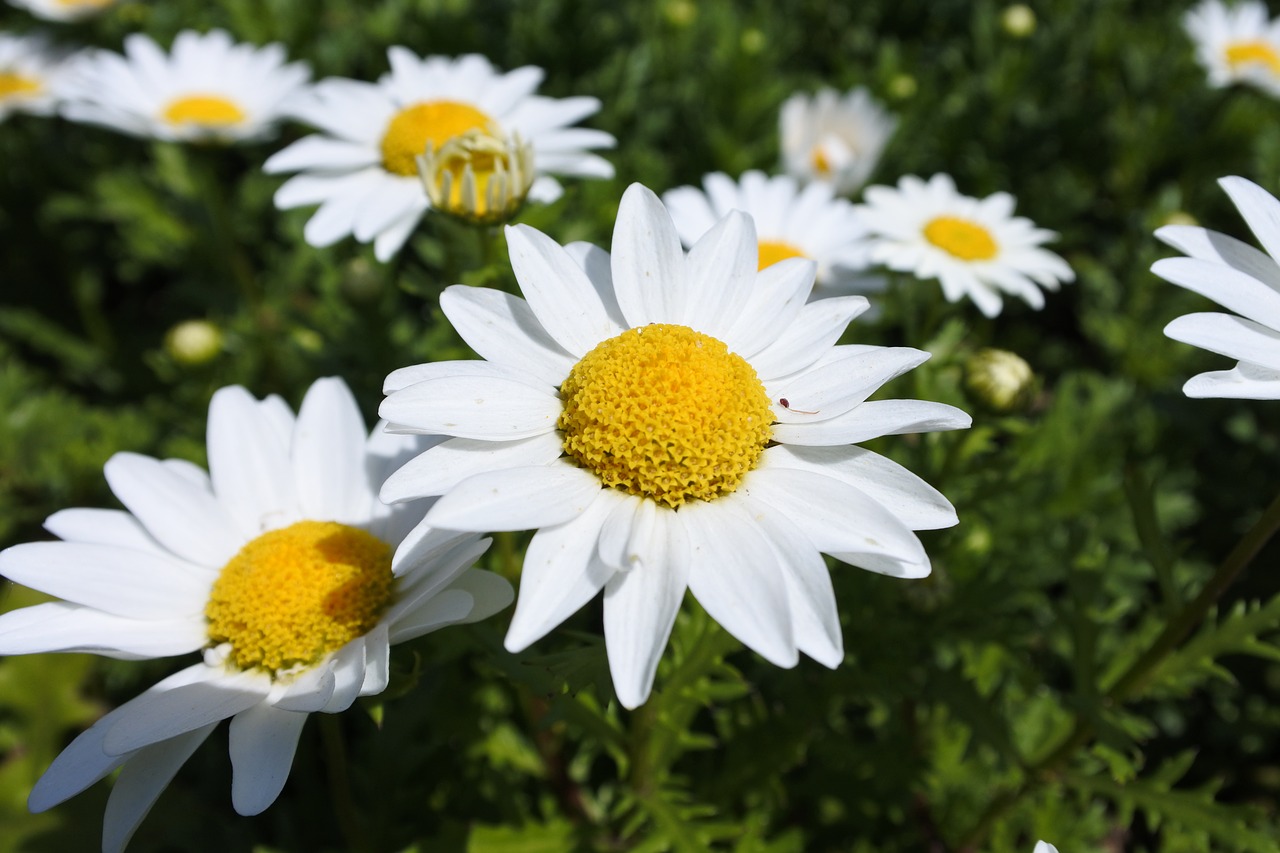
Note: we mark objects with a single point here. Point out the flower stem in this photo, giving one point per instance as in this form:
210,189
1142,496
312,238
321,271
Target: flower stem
335,753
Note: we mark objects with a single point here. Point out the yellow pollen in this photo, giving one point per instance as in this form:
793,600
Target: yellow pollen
772,251
820,163
13,84
961,238
207,110
1253,53
665,412
430,121
294,595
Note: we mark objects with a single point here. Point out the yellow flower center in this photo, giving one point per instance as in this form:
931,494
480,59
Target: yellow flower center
477,176
85,4
430,121
206,110
1253,52
821,165
665,412
962,238
13,84
294,595
772,251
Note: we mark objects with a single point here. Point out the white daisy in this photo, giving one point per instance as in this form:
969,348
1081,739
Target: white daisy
974,247
1044,847
362,170
834,138
280,563
670,421
64,10
208,89
31,75
1236,44
790,222
1241,279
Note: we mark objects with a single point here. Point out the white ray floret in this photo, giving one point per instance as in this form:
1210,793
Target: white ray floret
362,170
1236,44
833,138
65,11
670,421
32,75
1241,279
791,222
974,247
208,88
280,564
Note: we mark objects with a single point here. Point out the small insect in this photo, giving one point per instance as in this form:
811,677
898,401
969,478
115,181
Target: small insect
782,401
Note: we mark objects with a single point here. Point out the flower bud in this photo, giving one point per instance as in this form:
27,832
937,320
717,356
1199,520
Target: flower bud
1018,20
999,380
193,342
478,176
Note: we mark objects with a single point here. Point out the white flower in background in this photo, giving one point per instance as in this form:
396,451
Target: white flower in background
64,10
1241,279
1044,847
281,564
833,138
31,75
207,89
974,247
363,172
1236,44
790,222
670,421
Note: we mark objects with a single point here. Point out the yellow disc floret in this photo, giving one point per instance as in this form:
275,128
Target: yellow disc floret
961,238
206,110
1253,53
413,127
665,412
772,251
294,595
13,84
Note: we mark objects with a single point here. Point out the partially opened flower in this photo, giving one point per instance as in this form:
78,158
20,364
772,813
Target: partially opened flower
790,222
280,564
834,138
1236,44
363,171
64,10
974,247
31,75
207,89
1241,279
670,421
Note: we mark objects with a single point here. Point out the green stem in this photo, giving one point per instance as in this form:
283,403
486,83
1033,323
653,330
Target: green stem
1136,676
344,809
225,245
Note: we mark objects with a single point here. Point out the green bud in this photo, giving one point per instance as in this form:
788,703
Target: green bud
193,342
753,41
999,380
902,86
679,13
1018,20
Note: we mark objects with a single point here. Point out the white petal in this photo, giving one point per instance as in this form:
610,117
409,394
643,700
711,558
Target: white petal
721,272
1233,290
348,672
310,691
249,463
147,773
61,627
263,741
377,660
1242,382
1228,335
328,455
320,153
490,593
162,714
562,572
516,498
102,527
736,579
492,408
816,329
1259,208
873,419
833,388
449,607
118,580
647,262
1219,248
558,291
779,293
182,517
447,464
502,328
641,603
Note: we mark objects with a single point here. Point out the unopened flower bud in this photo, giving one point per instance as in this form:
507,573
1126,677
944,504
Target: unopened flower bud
193,342
1018,20
902,86
679,13
999,380
478,176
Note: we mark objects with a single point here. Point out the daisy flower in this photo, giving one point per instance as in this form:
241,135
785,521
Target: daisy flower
974,247
1241,279
790,222
64,10
280,563
1236,44
834,138
31,75
1044,847
363,171
208,89
670,421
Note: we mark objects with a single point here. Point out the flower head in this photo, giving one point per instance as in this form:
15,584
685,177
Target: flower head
974,247
362,169
790,222
1236,44
1241,279
32,75
280,564
207,89
64,10
833,138
477,176
670,420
